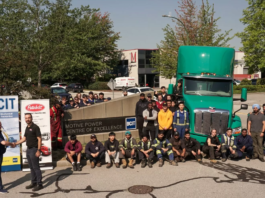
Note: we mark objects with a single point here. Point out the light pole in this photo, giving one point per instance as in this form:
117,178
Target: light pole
188,39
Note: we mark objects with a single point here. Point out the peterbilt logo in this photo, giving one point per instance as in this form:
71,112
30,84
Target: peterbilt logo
35,107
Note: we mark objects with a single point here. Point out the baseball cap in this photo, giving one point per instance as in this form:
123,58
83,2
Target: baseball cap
164,104
149,95
71,100
128,133
111,134
176,133
142,94
93,136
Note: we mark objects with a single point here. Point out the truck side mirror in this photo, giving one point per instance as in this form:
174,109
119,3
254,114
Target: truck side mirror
244,94
244,106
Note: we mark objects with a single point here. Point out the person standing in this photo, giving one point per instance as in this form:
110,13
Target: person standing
244,143
256,128
32,137
94,151
181,121
3,145
150,121
157,110
160,102
56,113
112,151
165,119
73,150
212,146
141,105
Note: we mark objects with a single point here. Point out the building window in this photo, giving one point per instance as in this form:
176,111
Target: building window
245,70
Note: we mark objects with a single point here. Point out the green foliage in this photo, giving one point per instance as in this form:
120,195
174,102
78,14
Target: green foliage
253,37
99,86
250,88
193,27
261,81
106,77
245,82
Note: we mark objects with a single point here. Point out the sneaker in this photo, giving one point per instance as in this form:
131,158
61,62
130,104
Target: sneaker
78,167
74,167
92,164
31,186
3,191
37,188
247,158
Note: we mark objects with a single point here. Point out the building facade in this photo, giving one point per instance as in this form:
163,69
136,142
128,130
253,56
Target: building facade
137,63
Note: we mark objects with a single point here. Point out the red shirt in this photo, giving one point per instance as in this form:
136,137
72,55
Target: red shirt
159,104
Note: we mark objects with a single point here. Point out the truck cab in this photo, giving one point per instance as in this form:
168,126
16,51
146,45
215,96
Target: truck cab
207,89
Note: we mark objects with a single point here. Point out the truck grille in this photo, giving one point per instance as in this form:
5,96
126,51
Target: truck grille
205,120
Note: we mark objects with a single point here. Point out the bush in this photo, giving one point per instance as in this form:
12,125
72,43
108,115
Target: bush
246,82
261,81
250,88
99,86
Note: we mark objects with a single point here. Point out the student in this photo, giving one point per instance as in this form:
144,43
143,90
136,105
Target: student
192,148
112,151
244,143
73,150
71,105
178,147
32,137
212,146
163,147
256,128
101,98
145,151
181,121
160,102
150,121
154,106
165,119
91,98
228,145
94,151
149,97
128,148
84,102
141,105
3,145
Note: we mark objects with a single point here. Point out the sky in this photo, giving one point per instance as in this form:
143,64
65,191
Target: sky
140,22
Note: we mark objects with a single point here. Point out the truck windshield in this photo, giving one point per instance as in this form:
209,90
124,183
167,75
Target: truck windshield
207,87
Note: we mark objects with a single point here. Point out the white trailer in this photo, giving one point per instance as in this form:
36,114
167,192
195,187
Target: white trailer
124,82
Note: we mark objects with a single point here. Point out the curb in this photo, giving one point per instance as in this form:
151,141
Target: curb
63,163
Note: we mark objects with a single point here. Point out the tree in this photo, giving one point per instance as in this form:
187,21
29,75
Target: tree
253,36
193,27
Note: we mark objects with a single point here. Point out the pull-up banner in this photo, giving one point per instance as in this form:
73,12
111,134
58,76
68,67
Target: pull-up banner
40,111
10,130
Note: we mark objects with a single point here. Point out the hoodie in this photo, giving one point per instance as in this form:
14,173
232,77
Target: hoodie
141,105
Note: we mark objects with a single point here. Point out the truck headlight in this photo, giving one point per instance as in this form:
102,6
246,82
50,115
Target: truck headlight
237,130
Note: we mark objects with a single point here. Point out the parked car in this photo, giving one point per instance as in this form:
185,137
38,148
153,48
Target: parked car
75,87
254,81
236,82
62,85
136,90
60,92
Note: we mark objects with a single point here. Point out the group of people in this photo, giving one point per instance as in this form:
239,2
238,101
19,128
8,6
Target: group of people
83,100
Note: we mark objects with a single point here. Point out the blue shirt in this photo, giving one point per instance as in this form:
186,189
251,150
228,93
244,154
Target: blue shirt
2,147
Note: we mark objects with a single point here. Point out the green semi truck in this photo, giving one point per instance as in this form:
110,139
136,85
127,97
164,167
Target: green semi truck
207,90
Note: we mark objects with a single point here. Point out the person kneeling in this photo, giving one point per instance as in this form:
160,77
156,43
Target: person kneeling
94,151
163,147
228,145
112,151
145,151
73,150
127,147
244,143
192,147
178,147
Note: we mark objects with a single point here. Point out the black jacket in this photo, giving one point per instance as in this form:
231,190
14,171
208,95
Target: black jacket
94,148
141,105
109,146
192,144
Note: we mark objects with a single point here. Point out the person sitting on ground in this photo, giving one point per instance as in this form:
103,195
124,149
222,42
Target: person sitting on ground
127,150
181,121
94,151
165,120
160,101
228,147
145,151
178,147
91,98
192,148
244,143
73,150
212,146
163,147
112,151
83,102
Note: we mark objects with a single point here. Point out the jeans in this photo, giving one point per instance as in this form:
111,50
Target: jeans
116,157
151,130
248,150
36,176
140,125
95,159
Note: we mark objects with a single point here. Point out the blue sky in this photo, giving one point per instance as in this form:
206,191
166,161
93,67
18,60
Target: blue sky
140,22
